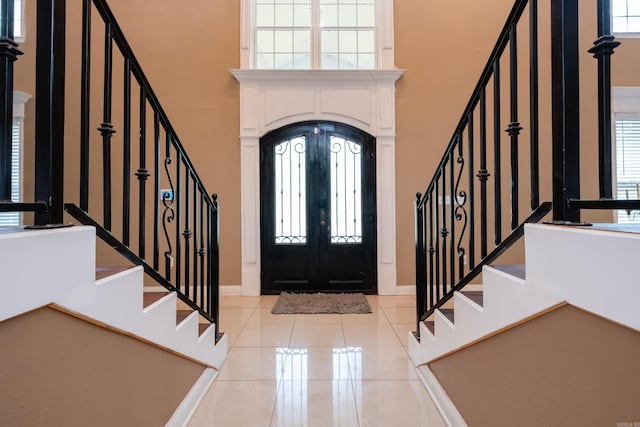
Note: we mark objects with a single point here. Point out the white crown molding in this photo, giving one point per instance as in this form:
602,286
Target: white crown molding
317,76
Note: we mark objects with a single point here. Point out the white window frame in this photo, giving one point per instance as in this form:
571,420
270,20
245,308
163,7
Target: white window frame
623,34
626,104
19,101
383,33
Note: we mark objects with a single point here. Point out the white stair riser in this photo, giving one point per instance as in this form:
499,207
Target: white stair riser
66,277
591,269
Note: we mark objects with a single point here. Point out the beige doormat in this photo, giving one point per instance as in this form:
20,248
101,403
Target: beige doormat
321,303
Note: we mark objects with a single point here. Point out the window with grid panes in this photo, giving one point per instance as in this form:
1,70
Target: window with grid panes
18,20
627,134
315,34
13,218
625,16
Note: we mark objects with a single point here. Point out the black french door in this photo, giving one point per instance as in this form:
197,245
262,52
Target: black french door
317,209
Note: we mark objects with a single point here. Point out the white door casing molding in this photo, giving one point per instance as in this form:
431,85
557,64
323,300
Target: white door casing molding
270,99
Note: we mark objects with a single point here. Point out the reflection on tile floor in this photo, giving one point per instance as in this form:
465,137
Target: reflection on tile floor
316,370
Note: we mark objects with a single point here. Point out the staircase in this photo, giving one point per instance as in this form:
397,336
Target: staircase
132,185
489,190
110,297
564,266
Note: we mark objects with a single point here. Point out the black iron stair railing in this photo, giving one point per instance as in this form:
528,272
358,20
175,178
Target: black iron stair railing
459,221
166,222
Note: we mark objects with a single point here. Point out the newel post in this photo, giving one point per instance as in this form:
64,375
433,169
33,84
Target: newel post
565,91
421,263
50,85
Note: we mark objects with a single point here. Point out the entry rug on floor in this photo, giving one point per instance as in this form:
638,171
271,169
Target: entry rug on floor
321,303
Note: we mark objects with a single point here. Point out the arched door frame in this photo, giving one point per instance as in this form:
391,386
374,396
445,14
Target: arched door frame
363,99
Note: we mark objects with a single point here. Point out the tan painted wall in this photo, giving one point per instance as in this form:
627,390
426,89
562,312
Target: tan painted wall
568,367
59,370
432,94
187,52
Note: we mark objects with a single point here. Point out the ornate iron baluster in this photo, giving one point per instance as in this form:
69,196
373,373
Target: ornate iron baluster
483,174
142,174
168,215
106,127
460,210
514,128
85,105
496,154
533,100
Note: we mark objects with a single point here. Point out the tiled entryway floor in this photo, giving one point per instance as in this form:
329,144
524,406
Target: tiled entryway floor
317,370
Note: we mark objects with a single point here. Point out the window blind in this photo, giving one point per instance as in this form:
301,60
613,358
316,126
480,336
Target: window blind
13,218
628,164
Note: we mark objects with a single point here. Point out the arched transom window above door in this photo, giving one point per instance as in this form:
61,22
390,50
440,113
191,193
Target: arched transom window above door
317,34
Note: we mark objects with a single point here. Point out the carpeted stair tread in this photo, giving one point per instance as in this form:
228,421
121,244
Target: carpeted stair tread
475,296
103,271
151,297
181,315
448,313
431,326
517,270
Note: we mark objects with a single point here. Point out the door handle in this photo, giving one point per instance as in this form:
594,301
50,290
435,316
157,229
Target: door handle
323,218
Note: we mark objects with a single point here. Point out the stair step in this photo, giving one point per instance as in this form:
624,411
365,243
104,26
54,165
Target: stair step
517,270
202,328
475,296
151,297
448,313
431,326
106,271
181,315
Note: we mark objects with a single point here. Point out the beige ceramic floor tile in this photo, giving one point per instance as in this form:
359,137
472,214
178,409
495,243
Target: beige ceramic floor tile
365,335
313,358
232,334
254,364
402,331
263,315
264,335
317,318
396,300
315,403
268,300
382,363
375,318
317,335
317,363
239,302
236,403
400,314
394,403
233,316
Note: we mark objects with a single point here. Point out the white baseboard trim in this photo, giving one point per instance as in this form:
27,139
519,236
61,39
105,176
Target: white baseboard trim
188,406
441,400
